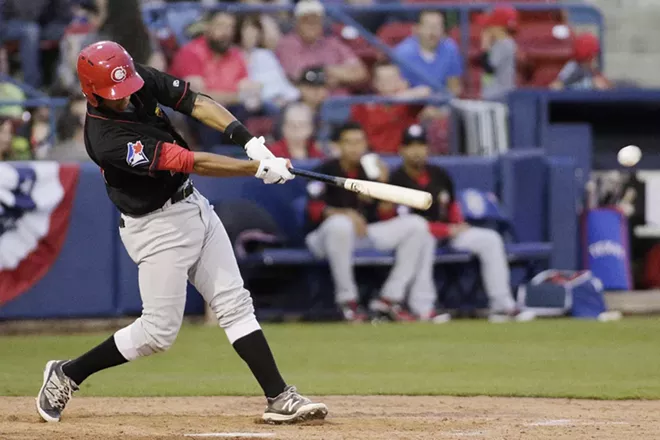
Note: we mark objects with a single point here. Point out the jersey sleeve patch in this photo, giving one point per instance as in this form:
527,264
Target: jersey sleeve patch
136,155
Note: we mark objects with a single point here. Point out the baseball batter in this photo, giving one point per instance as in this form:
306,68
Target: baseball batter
168,228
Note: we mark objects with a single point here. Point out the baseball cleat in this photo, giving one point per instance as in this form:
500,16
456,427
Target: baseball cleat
290,407
351,311
513,316
55,392
394,311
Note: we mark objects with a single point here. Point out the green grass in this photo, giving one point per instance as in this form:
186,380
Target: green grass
558,358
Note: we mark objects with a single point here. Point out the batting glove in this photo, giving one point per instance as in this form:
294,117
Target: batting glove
256,149
275,170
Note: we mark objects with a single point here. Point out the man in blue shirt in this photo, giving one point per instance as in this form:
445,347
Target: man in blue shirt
430,51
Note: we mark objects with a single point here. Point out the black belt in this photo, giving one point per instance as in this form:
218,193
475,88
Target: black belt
181,194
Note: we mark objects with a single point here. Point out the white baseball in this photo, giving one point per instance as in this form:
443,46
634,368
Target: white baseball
629,156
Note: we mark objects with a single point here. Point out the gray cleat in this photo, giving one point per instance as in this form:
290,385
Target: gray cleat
55,392
291,407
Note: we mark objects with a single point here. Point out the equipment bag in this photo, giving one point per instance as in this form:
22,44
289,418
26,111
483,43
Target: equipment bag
558,293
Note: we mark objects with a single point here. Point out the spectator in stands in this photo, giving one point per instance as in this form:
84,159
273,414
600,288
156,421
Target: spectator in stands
447,225
270,29
263,66
29,22
211,63
12,145
297,134
214,66
498,58
431,52
343,221
71,142
307,47
313,88
385,123
122,21
582,73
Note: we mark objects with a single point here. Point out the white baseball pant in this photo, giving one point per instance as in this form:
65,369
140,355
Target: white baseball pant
408,236
180,242
488,246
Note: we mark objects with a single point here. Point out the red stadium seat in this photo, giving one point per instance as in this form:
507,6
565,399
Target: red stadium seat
544,75
538,43
394,33
365,51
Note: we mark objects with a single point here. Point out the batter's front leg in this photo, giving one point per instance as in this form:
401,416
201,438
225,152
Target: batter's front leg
217,277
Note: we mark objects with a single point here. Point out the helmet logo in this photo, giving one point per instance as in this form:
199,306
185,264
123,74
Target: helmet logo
118,74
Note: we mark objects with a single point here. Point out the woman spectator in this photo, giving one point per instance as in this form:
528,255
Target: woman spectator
263,66
297,134
121,21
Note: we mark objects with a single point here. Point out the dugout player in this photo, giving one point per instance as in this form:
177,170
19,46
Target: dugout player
168,228
447,225
342,221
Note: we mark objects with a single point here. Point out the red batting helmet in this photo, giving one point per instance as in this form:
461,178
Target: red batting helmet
105,69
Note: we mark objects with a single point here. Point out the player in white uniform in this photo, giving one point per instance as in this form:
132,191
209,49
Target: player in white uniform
168,228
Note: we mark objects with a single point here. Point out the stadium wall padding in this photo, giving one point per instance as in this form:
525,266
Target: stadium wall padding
94,277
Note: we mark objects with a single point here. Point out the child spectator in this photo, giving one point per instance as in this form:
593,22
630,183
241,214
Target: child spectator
582,73
385,123
297,134
263,66
498,58
12,145
307,46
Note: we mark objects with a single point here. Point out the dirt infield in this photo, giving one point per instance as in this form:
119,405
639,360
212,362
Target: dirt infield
351,417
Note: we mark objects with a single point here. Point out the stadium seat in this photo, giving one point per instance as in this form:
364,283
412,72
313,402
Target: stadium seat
394,33
544,75
538,43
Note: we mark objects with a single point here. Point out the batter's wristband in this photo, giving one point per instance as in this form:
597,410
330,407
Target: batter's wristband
238,133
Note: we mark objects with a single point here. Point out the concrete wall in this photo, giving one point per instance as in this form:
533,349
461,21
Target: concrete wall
632,40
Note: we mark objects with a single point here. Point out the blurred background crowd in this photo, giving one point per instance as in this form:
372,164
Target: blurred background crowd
275,70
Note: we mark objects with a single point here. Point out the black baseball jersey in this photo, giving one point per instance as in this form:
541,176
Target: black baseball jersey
434,180
127,145
336,197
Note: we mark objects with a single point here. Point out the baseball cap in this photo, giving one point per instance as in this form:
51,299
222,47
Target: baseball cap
415,134
309,7
504,16
313,76
585,47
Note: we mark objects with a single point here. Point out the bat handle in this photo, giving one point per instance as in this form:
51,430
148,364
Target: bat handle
333,180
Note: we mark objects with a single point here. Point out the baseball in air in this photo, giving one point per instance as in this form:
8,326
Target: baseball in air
629,156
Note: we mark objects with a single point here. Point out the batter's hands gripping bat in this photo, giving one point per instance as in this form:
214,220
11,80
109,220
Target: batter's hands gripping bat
381,191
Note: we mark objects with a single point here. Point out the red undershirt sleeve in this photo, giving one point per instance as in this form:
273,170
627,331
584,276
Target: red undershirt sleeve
175,158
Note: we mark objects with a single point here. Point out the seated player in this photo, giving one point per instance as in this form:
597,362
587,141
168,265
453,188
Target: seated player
343,221
446,224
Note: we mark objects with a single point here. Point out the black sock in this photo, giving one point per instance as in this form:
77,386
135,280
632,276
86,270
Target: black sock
104,355
254,350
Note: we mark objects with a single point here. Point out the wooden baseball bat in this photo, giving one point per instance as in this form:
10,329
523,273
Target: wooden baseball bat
382,191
